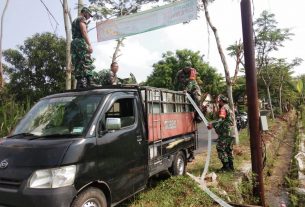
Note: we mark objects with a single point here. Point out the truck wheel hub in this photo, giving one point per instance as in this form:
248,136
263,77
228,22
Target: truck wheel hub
180,165
91,203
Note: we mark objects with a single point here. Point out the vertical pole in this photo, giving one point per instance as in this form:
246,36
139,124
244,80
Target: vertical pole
252,96
80,6
1,38
68,45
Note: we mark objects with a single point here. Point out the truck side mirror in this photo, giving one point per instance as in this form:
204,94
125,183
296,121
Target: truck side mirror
113,124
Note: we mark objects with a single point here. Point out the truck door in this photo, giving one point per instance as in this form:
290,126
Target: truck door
122,153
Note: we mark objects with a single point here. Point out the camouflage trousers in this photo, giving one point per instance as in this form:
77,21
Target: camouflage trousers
225,148
81,59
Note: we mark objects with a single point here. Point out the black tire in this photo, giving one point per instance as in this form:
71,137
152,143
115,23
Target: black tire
91,197
179,164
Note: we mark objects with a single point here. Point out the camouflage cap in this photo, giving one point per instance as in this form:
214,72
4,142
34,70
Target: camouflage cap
86,10
223,98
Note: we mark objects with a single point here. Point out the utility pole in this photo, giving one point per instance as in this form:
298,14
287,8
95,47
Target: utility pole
80,6
1,37
252,95
68,45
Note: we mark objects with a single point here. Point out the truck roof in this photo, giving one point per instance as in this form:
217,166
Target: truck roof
94,90
107,90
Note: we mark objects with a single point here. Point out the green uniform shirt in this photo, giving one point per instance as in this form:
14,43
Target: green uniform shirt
76,32
224,126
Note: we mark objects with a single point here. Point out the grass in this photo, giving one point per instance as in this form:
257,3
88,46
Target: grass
172,192
292,181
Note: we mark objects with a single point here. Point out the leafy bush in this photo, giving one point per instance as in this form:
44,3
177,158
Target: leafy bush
10,113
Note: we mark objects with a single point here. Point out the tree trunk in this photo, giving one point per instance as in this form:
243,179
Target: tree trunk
1,38
68,45
80,6
224,63
269,100
280,98
231,104
117,50
69,12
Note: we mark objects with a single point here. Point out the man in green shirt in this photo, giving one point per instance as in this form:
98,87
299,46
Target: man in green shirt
224,129
81,50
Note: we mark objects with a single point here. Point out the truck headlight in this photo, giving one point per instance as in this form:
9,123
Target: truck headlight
53,178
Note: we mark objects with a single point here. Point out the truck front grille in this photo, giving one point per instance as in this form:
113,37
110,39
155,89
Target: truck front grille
9,183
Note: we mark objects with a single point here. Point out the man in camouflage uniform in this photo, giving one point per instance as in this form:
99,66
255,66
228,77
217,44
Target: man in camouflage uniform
186,81
224,128
81,50
109,77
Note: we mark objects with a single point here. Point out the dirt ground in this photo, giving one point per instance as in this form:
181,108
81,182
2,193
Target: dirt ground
275,191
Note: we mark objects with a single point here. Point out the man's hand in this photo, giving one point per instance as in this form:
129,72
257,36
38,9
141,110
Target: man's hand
90,49
210,126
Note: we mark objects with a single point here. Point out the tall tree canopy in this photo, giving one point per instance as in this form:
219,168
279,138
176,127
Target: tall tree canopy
36,68
269,38
165,71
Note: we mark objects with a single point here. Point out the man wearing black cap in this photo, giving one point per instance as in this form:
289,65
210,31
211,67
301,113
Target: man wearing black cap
81,50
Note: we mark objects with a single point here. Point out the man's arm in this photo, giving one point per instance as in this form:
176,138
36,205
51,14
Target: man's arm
83,29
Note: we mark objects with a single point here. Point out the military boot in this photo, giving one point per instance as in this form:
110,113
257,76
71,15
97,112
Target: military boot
225,167
231,165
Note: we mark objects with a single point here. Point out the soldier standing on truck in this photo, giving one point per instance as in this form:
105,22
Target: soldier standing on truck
186,81
81,50
109,77
224,129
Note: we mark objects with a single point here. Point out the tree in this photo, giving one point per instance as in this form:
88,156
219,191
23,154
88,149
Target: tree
283,75
36,68
1,37
269,38
229,81
68,44
165,71
300,88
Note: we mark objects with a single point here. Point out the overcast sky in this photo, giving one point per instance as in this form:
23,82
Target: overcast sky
25,18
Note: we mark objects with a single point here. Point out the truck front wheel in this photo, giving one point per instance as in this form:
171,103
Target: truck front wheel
91,197
179,164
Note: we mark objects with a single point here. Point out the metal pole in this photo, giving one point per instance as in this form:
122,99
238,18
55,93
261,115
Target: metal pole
252,97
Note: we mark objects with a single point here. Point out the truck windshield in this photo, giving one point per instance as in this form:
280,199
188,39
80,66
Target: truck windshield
59,116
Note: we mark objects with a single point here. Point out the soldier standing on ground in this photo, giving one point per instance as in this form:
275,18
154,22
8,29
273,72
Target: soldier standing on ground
81,50
224,129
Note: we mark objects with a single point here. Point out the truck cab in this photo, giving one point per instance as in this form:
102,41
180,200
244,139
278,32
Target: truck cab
95,147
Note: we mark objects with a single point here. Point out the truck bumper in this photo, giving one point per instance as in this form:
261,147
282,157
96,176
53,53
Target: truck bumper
60,197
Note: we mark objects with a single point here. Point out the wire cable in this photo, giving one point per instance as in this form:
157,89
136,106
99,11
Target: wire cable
50,13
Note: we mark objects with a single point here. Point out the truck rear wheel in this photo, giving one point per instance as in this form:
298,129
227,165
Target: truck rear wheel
179,164
91,197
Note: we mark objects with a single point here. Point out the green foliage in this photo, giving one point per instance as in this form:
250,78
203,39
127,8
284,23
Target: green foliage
268,37
106,9
36,68
274,74
10,113
172,192
299,86
165,71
